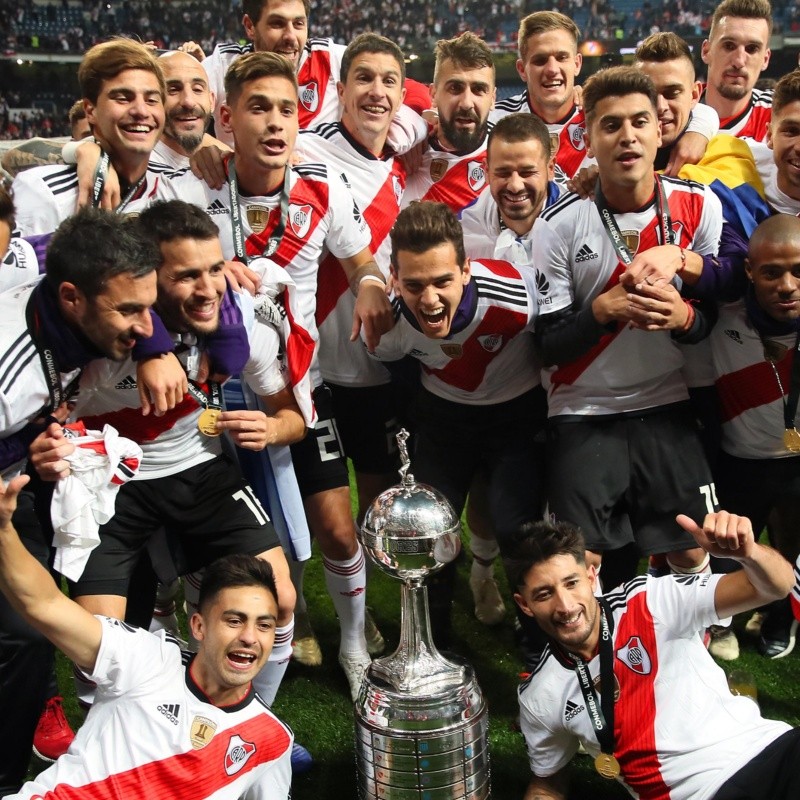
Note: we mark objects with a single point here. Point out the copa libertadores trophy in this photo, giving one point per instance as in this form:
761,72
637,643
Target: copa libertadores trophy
421,719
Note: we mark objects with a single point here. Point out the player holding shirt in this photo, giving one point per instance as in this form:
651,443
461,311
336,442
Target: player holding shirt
469,324
463,90
612,367
737,52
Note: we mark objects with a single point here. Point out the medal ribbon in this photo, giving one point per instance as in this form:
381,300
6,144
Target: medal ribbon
615,234
50,367
99,181
790,404
210,399
602,713
236,216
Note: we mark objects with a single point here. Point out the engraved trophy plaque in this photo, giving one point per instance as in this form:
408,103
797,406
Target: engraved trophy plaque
421,719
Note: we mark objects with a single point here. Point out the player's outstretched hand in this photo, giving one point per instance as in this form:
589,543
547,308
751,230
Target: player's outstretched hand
8,497
723,534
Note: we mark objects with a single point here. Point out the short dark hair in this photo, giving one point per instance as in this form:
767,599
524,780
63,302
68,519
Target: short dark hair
371,43
95,245
521,127
616,82
787,90
543,22
745,9
255,8
169,220
253,66
106,60
76,112
661,47
535,542
425,225
467,51
6,209
234,570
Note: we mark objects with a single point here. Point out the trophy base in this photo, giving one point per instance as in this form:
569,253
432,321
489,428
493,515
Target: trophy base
431,746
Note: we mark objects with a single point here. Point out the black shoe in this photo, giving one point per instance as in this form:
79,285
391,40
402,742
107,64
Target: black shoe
778,630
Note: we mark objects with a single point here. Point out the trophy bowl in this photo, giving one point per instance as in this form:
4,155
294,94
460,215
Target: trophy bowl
411,531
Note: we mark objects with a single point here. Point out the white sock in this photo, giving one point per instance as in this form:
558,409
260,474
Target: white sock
269,679
486,550
346,582
297,571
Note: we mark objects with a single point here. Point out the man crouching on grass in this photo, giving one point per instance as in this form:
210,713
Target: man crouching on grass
667,726
163,718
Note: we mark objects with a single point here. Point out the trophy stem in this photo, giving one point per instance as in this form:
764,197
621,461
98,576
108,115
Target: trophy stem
416,665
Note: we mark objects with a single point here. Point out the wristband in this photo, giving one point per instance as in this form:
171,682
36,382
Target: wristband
687,326
377,278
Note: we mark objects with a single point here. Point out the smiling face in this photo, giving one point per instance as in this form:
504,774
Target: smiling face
263,121
463,97
191,285
189,101
282,28
623,135
236,633
736,54
559,594
371,95
115,318
774,269
128,117
783,136
549,69
431,285
678,93
518,176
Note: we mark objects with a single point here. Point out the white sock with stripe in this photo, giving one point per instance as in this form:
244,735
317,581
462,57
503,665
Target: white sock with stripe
268,681
346,582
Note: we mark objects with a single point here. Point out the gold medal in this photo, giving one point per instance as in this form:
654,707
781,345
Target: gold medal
207,422
791,440
607,766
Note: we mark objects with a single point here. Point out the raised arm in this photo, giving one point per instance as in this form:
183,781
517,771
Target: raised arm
31,590
765,576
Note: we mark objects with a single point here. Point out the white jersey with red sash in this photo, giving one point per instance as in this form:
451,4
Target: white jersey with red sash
751,397
153,733
377,185
679,733
320,65
753,121
490,359
627,370
322,217
449,178
566,135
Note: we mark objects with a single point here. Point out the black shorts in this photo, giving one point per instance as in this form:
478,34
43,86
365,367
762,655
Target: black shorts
207,511
772,774
624,479
453,442
368,423
319,461
754,486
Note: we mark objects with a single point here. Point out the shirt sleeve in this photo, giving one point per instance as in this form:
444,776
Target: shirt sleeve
549,750
129,657
684,603
348,234
265,372
35,210
554,279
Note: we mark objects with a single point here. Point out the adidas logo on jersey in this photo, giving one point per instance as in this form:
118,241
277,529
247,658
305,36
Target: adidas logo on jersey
128,382
217,208
571,710
734,335
417,353
170,711
585,254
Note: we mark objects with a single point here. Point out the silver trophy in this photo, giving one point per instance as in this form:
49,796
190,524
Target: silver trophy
421,718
